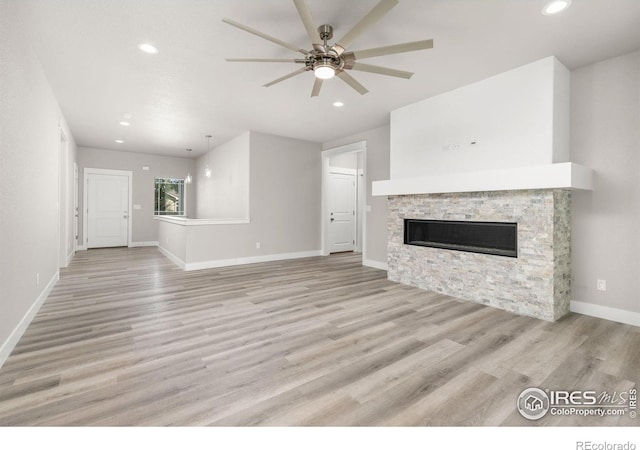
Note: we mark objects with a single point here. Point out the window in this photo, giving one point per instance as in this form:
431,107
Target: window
169,197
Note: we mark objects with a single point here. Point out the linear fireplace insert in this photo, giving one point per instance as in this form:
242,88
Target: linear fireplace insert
493,238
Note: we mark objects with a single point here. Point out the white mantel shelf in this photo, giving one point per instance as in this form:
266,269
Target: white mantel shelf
551,176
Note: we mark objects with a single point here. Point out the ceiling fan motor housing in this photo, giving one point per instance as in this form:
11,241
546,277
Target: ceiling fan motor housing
324,56
326,32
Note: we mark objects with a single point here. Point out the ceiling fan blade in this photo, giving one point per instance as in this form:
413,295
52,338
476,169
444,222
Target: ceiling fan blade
344,76
287,76
279,60
307,20
393,49
316,87
378,11
382,70
265,36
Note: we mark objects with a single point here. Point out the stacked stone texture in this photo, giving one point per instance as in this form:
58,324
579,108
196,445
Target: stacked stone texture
537,283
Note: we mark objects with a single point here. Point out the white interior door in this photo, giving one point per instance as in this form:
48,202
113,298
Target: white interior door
107,210
342,208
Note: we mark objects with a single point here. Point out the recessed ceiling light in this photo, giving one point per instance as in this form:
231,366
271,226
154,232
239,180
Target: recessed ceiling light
555,6
119,141
148,48
338,104
124,124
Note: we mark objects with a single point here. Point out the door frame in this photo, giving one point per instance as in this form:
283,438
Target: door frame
76,206
325,220
85,201
63,199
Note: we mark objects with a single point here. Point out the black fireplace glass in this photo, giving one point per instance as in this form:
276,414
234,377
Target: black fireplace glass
493,238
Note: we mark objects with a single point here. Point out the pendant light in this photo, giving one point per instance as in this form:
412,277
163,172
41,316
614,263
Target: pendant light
188,179
207,171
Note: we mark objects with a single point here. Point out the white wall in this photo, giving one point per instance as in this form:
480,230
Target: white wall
377,168
29,178
67,159
284,211
285,193
144,228
173,239
226,194
517,118
605,135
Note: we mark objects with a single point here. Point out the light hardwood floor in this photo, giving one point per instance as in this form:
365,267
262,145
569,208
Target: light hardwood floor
127,338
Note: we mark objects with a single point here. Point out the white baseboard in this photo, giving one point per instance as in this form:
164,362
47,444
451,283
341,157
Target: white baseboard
144,244
133,244
174,259
11,342
606,312
250,260
70,257
236,261
374,264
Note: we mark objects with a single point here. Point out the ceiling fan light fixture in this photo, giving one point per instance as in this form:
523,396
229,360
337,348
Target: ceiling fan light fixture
324,70
332,60
555,7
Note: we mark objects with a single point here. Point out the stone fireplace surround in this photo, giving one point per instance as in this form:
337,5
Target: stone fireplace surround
496,150
537,283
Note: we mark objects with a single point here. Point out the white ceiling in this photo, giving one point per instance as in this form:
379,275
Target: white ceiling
88,49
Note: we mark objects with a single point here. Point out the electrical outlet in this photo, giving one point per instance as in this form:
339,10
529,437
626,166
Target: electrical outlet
257,244
602,285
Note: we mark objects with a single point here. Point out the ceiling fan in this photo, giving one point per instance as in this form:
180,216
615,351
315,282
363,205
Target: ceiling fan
327,60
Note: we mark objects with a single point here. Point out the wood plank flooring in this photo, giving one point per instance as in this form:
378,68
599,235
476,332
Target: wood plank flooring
127,338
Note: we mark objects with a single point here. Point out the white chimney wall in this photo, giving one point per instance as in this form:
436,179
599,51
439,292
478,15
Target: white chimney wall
518,118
